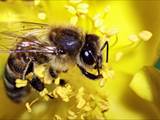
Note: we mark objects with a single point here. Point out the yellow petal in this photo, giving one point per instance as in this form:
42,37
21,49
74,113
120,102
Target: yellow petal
141,86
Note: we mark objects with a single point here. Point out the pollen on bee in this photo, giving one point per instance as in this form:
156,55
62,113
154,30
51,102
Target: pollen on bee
29,76
47,78
39,70
57,81
21,83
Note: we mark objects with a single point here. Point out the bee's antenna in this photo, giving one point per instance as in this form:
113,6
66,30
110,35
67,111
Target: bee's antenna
106,44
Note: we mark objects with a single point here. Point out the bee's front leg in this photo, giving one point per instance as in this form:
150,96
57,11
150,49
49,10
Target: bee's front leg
88,74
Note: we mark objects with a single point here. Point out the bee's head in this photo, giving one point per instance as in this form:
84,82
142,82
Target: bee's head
90,51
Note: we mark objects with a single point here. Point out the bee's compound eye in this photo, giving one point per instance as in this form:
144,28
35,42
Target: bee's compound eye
87,57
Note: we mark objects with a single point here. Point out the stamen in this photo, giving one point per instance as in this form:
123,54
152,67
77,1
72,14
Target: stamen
103,104
87,107
37,2
74,20
64,92
111,32
107,9
83,116
42,15
29,76
118,56
133,38
145,35
82,8
57,117
71,9
75,1
98,23
28,105
79,97
102,82
71,115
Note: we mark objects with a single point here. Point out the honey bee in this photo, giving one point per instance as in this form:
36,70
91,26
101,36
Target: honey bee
36,43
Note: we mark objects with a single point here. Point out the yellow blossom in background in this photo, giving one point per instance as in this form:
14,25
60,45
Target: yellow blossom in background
129,90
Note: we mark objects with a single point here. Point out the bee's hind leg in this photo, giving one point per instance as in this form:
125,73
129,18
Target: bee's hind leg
34,80
37,84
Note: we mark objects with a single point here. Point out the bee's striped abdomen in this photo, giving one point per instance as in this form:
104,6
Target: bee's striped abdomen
14,70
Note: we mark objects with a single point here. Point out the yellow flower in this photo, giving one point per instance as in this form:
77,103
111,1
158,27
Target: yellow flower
127,90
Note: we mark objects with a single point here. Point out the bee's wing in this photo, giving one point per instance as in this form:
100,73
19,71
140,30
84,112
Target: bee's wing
13,32
8,42
21,26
